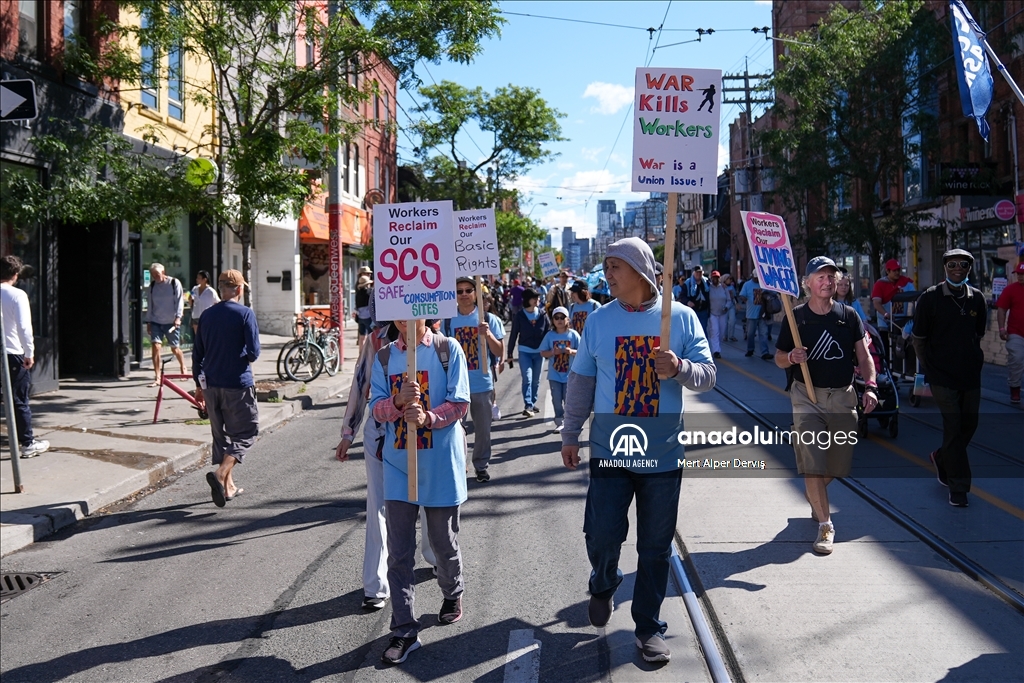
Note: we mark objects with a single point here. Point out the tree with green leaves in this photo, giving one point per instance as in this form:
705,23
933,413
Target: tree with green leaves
515,233
855,109
520,125
276,119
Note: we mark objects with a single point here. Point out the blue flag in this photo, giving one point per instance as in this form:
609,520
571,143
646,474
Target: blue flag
972,68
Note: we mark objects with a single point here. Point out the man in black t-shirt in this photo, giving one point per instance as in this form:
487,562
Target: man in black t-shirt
833,341
949,322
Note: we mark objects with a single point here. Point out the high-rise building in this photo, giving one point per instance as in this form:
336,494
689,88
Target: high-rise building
568,237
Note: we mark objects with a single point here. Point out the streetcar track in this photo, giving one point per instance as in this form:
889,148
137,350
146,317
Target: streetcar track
944,548
977,446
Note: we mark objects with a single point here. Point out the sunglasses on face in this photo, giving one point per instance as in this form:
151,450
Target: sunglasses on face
560,317
465,291
958,264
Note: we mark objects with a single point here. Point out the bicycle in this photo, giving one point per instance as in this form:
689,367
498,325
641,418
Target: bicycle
329,342
304,360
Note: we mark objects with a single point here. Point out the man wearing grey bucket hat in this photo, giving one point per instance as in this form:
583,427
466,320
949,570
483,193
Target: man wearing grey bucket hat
621,371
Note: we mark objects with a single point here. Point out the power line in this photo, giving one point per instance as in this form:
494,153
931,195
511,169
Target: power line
449,104
601,23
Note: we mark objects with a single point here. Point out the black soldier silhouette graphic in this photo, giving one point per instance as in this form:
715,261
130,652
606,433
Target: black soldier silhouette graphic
709,98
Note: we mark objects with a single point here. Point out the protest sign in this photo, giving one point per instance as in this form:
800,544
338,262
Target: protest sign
548,265
414,260
771,252
476,243
676,125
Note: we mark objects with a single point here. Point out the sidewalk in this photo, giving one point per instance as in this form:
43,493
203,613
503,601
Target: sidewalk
104,445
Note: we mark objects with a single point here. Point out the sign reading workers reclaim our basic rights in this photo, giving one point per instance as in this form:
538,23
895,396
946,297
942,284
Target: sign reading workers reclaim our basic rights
414,263
676,125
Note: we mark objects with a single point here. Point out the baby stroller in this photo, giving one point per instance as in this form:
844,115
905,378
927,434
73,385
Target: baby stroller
887,412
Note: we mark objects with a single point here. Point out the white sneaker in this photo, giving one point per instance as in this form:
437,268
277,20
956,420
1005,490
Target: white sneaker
495,412
559,423
37,447
826,535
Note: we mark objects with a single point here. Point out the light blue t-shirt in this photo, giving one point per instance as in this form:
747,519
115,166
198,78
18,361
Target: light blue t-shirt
578,314
466,330
441,452
617,348
753,310
559,364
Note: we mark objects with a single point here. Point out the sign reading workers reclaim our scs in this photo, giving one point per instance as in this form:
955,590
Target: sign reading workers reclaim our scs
676,126
414,261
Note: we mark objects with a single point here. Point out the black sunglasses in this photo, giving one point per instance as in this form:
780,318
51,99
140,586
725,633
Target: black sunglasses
560,317
465,291
961,264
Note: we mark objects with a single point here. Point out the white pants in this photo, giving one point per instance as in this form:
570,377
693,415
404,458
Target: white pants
716,330
375,553
1014,359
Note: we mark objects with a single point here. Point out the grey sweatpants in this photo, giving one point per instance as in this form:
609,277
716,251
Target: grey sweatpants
234,421
480,412
443,531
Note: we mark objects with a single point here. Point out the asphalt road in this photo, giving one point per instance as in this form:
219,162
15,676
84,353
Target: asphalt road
171,588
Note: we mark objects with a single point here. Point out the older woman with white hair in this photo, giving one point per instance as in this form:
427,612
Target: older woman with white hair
833,344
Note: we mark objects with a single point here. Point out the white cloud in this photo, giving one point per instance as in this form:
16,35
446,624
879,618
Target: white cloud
601,181
763,2
723,156
557,219
611,97
591,153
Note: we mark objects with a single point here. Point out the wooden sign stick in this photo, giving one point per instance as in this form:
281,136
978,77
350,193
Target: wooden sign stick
482,341
411,344
666,277
788,305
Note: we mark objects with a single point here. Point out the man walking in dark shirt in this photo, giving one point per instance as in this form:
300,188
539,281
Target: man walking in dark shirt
228,340
949,322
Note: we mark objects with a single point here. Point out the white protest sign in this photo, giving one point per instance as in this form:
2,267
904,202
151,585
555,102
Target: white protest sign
771,252
548,265
676,124
414,261
476,243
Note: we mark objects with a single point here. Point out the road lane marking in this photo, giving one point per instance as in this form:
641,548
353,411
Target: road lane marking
522,663
1006,507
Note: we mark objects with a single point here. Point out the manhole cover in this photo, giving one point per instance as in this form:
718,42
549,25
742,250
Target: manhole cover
13,585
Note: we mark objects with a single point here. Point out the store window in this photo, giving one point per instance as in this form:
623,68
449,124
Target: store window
172,249
30,19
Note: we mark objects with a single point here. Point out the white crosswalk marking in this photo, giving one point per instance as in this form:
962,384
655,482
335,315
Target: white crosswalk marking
522,663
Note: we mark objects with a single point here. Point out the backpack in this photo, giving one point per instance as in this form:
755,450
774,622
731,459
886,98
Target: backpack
772,302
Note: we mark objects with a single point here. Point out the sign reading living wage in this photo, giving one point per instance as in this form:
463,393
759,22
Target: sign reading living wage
414,263
772,253
548,264
476,243
676,124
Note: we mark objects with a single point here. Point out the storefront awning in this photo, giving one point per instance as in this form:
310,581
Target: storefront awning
314,226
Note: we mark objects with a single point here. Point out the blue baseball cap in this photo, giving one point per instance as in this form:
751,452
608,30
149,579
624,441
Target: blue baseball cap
819,262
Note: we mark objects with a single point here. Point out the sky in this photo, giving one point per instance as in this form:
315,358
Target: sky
587,72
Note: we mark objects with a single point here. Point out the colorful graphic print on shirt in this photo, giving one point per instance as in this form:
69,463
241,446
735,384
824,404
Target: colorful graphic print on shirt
424,435
559,361
469,338
637,388
578,320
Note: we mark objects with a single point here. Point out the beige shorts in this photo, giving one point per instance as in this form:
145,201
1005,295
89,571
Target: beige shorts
833,423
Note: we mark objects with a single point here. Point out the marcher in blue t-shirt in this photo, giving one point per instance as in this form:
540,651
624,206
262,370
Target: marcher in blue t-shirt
751,295
528,329
582,305
559,346
468,331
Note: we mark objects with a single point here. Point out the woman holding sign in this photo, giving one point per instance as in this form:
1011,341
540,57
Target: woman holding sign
833,341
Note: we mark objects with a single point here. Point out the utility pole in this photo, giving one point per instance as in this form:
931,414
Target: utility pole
751,170
334,210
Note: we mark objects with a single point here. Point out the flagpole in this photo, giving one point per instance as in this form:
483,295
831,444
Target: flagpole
1003,71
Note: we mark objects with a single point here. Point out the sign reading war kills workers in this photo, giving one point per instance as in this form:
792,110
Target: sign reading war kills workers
676,122
548,264
476,243
772,253
414,264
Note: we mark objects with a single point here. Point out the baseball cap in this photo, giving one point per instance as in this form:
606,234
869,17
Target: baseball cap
958,253
893,264
715,273
465,279
1019,269
560,309
819,262
233,278
579,286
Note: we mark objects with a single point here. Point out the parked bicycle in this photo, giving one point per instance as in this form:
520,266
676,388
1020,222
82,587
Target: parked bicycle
314,350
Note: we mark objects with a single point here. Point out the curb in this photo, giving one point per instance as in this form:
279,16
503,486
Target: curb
21,529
